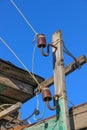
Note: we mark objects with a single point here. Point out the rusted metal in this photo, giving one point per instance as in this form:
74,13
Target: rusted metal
51,108
41,41
46,94
42,44
48,49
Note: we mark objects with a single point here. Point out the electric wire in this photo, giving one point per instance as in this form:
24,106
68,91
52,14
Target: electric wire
70,102
42,116
67,51
33,58
9,124
25,19
5,43
37,93
34,113
37,102
77,65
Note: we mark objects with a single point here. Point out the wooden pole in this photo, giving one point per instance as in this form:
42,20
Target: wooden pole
59,82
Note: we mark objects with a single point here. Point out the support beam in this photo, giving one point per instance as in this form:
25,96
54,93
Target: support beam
69,69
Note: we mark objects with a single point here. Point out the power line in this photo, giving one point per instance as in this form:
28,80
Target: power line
33,58
42,115
25,19
67,51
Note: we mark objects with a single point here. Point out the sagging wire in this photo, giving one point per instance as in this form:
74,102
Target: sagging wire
33,58
67,51
42,116
6,44
36,92
71,55
25,19
69,101
10,123
36,112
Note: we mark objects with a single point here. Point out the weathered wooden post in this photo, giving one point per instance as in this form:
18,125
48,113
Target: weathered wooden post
59,82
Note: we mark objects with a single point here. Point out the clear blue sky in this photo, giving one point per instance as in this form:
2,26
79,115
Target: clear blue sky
46,17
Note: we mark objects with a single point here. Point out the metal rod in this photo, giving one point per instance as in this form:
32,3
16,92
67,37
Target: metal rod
48,49
51,108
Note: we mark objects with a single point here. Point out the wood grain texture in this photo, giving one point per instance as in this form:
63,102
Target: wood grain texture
10,110
15,82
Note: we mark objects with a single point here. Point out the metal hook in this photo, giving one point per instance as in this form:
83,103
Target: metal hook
48,49
51,108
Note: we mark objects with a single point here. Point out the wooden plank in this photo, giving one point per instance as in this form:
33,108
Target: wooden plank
10,70
9,118
11,90
15,82
70,68
4,99
78,117
10,110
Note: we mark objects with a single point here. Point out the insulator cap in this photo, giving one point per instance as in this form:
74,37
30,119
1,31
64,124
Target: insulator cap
46,94
41,41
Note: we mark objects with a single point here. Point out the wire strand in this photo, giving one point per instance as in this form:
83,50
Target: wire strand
33,58
5,43
37,102
42,116
25,19
69,101
67,51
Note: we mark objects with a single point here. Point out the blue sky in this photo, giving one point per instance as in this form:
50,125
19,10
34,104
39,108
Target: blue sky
46,17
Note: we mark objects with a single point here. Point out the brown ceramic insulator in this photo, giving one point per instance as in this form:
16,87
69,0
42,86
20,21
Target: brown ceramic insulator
41,41
46,94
